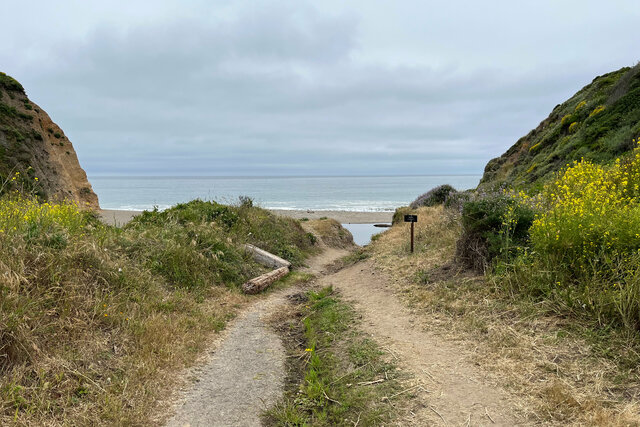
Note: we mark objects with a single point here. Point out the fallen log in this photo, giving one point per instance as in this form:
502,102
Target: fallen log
259,283
267,259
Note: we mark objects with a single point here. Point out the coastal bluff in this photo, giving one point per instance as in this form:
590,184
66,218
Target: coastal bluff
37,150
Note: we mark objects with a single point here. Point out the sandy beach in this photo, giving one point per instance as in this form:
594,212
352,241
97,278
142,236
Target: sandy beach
118,217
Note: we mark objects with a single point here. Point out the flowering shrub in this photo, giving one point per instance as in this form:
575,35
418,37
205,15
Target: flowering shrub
597,110
573,127
30,218
567,120
590,211
584,247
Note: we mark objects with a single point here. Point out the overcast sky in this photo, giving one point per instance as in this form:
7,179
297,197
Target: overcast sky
331,87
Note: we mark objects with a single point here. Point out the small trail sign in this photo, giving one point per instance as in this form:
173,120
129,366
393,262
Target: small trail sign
412,219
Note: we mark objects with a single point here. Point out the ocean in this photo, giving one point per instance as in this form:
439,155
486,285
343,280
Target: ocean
360,193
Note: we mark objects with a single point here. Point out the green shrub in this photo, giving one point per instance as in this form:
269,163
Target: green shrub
10,84
398,215
585,244
493,226
433,197
455,201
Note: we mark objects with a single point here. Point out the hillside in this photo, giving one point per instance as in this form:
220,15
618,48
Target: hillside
35,148
599,123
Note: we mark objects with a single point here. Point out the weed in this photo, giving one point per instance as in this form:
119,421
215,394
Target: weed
335,357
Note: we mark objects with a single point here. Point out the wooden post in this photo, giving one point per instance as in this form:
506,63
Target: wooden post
412,236
412,219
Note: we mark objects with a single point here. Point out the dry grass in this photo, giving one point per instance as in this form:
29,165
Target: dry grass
95,321
563,372
331,233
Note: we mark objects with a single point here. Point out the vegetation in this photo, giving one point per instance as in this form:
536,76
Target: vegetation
435,196
598,124
94,318
561,367
10,84
345,379
494,225
585,246
332,233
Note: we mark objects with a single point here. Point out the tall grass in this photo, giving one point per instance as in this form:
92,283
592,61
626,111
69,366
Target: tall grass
93,318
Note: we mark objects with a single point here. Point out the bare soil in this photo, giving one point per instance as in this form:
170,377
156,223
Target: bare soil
458,391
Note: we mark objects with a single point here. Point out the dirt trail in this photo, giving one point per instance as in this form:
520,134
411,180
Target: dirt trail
458,392
245,370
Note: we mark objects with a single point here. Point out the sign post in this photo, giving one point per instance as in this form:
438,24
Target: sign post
412,219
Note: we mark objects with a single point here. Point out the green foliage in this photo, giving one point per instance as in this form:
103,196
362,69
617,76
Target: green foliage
9,111
10,84
89,314
493,226
435,196
585,244
325,396
398,215
243,224
598,124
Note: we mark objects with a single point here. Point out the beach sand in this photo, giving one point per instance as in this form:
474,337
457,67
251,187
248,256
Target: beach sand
116,217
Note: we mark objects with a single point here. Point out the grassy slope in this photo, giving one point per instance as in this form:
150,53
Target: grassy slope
93,319
565,368
597,136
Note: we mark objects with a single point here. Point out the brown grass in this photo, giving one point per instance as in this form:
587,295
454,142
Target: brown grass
554,365
103,356
332,233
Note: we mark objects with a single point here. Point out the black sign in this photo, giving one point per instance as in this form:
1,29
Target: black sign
411,218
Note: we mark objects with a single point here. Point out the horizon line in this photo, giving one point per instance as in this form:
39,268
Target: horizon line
282,176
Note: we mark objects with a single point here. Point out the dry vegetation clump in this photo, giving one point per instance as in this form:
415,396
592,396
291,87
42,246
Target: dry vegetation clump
332,233
565,371
94,319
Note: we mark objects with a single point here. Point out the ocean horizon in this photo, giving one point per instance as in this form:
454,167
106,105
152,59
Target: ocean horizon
344,193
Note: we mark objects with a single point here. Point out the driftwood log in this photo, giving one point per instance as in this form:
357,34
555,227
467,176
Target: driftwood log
257,284
266,258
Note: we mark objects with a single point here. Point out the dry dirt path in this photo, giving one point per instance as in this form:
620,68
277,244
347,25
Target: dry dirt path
458,392
245,368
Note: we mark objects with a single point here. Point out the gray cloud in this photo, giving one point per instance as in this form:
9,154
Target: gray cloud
291,88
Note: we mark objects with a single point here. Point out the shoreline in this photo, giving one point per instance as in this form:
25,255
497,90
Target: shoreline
120,217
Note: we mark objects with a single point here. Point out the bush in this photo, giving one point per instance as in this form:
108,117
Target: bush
455,201
433,197
497,225
398,215
585,244
244,223
590,212
9,83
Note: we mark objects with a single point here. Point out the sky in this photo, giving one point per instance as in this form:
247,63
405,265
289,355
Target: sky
332,87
